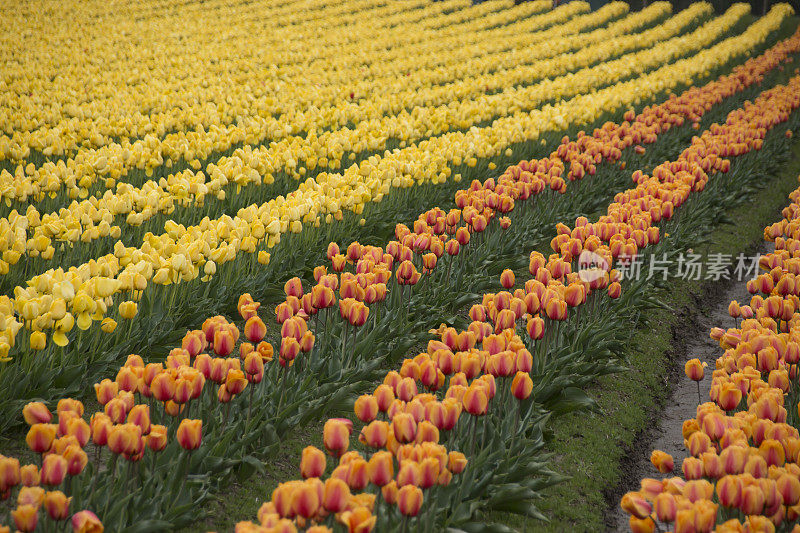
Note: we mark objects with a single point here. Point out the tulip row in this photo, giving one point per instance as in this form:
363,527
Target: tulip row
311,503
743,77
117,396
256,227
298,156
388,47
143,208
742,473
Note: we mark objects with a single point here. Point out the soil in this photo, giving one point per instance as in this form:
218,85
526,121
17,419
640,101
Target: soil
691,340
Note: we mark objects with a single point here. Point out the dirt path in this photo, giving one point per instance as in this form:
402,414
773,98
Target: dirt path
665,430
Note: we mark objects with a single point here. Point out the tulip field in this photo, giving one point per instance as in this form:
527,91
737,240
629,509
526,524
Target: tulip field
401,227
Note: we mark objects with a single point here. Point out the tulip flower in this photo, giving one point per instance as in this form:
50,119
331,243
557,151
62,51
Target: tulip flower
10,475
254,329
409,500
694,370
86,522
312,463
662,461
335,496
157,438
636,505
36,413
54,470
336,436
25,517
375,434
190,434
40,437
57,505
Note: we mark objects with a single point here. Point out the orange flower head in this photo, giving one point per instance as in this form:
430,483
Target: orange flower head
694,369
336,494
40,437
636,505
336,436
54,470
190,434
409,500
25,517
36,413
57,505
86,522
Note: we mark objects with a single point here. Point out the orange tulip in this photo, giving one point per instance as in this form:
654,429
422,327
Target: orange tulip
312,463
86,522
10,475
157,438
358,520
475,401
305,500
100,426
36,413
752,501
254,329
335,496
662,461
375,434
336,436
124,438
57,505
140,416
635,504
380,468
76,459
665,507
641,525
366,408
536,328
106,391
40,437
29,475
54,470
729,396
25,517
116,410
521,385
223,342
507,278
190,434
694,369
789,489
409,500
235,381
163,387
404,428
